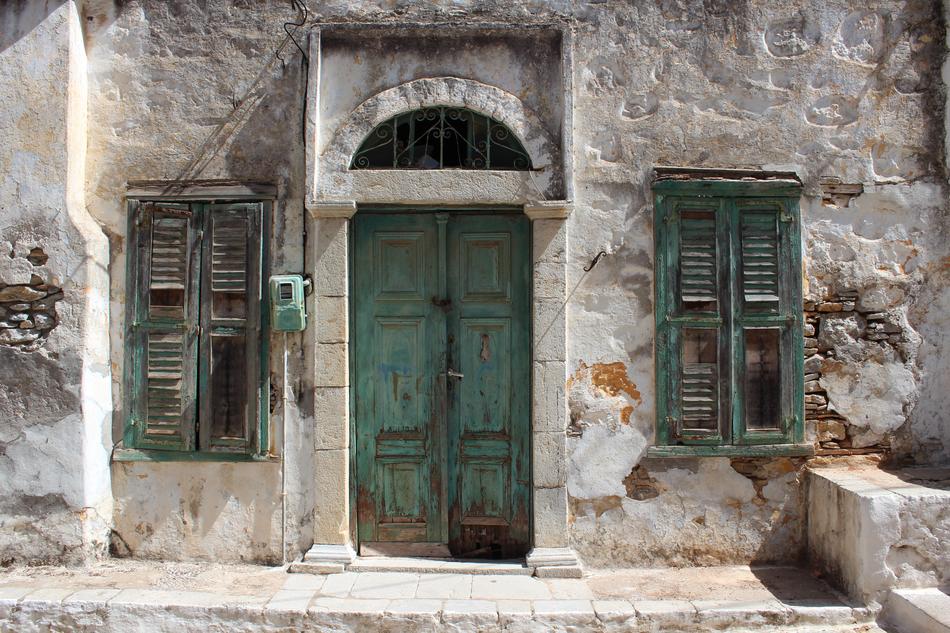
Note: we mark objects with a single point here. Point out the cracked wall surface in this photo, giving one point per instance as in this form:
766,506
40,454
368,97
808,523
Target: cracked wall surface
847,94
55,407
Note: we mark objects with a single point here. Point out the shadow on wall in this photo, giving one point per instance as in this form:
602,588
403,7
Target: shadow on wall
21,17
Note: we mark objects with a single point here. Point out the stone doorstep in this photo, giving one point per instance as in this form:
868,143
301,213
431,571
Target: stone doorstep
439,566
46,606
923,610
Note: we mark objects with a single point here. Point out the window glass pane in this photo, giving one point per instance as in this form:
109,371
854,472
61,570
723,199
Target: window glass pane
229,267
697,265
228,387
169,268
763,386
700,384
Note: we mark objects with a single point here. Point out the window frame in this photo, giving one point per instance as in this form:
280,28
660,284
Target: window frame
258,442
729,197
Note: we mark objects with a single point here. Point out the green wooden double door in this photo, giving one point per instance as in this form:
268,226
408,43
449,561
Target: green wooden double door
442,342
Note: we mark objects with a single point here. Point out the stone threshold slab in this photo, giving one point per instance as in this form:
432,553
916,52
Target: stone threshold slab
440,566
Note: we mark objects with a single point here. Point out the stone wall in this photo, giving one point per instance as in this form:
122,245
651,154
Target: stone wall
841,92
55,408
194,91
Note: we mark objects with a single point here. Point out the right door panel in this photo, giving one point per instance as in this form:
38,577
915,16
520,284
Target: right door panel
488,332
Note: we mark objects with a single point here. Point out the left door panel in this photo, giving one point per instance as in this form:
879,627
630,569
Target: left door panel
396,329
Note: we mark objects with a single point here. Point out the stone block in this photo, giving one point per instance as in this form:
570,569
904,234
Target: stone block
20,293
548,396
331,366
831,429
332,319
444,586
502,587
414,606
550,321
550,459
614,611
813,364
290,600
331,274
566,612
550,517
549,281
331,417
565,571
549,238
348,605
303,582
475,615
331,518
385,585
305,567
338,585
665,613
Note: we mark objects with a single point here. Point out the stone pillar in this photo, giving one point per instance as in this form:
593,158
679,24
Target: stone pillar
332,549
552,555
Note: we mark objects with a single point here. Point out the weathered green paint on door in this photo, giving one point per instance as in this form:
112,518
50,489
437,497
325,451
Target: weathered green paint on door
442,358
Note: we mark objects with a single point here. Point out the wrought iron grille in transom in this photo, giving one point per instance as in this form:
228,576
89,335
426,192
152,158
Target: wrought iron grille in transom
441,138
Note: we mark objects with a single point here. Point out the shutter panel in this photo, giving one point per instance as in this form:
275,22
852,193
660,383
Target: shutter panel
696,243
230,316
165,326
767,321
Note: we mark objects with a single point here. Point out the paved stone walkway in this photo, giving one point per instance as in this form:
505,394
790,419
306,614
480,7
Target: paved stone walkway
132,596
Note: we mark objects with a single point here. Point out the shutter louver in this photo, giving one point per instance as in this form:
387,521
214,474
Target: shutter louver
229,255
165,379
165,327
698,274
759,244
699,382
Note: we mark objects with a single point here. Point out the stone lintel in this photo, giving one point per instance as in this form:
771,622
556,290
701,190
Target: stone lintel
549,209
331,208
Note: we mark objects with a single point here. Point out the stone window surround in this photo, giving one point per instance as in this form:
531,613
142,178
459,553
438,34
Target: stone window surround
334,516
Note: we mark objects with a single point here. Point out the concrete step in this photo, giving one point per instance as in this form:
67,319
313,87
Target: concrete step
441,566
157,610
918,611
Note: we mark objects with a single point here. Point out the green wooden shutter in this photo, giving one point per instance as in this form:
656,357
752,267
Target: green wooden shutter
767,332
230,384
163,337
692,354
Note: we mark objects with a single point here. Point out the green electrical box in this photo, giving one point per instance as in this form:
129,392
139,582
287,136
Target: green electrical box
288,312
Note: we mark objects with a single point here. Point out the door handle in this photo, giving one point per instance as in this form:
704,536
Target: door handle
454,374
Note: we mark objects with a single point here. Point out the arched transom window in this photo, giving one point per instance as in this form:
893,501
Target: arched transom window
441,137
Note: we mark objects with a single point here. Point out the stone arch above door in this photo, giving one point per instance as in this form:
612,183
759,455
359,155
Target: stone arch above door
334,180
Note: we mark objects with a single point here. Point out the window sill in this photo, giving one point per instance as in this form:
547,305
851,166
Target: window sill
137,455
761,450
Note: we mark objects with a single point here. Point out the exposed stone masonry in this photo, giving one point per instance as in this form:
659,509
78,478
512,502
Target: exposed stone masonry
829,324
28,311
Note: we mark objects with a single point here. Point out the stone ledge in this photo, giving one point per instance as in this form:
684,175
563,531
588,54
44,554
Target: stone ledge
549,209
320,209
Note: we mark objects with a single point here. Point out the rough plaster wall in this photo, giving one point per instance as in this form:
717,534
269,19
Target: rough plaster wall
840,89
188,90
829,89
54,401
203,511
